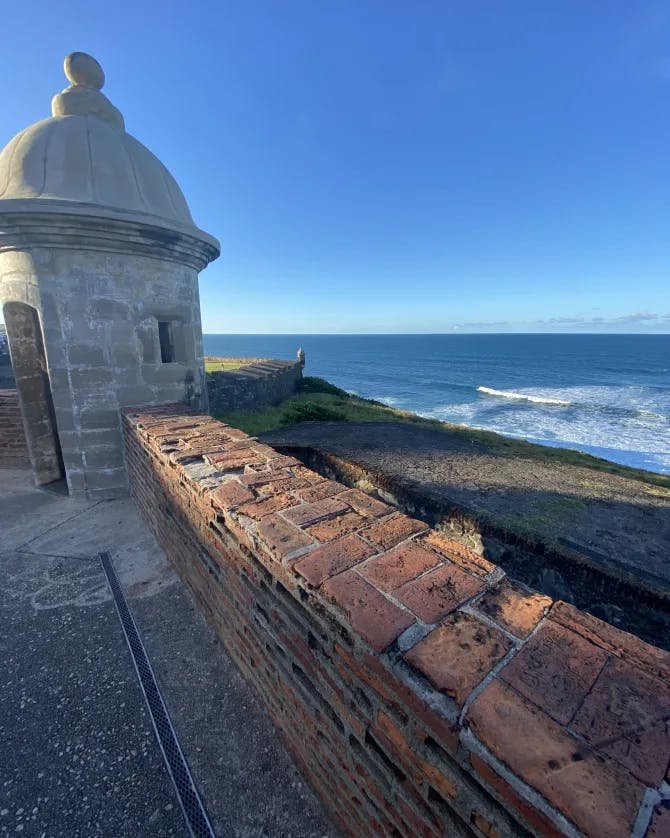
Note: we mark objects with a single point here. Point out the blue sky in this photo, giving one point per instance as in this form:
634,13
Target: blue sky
389,166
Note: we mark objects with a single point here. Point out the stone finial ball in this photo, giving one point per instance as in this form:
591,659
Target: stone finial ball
81,68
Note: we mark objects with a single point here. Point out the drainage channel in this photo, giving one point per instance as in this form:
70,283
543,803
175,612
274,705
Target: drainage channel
194,812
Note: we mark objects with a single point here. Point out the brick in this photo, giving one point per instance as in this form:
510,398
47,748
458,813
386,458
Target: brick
237,444
231,495
235,433
281,460
333,558
397,746
335,527
365,504
458,553
280,484
308,474
415,825
174,428
208,444
483,826
371,615
234,460
420,769
312,513
660,821
458,654
513,608
654,661
555,670
626,716
437,779
594,792
281,537
266,453
182,456
318,491
391,531
394,692
401,564
510,799
205,435
263,478
213,430
438,592
260,508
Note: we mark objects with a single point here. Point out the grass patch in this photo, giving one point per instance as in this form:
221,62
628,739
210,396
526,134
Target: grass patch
225,364
215,364
319,401
550,517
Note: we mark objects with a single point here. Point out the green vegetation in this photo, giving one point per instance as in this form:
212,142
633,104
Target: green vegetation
549,518
319,401
221,364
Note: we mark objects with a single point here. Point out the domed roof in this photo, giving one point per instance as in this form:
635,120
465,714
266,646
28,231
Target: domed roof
82,154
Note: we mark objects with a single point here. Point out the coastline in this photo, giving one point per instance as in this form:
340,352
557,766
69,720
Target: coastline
606,395
635,460
321,401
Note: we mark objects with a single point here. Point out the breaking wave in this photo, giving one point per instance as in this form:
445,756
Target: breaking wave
509,394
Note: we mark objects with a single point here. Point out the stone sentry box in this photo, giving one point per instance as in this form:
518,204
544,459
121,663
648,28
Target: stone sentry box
99,262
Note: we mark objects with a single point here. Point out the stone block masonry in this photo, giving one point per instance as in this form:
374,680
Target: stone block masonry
13,449
257,385
422,691
99,262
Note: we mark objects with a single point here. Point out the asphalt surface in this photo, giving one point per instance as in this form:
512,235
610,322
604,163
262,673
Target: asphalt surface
78,754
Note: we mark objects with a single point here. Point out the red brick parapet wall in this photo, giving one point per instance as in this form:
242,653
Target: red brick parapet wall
13,448
422,692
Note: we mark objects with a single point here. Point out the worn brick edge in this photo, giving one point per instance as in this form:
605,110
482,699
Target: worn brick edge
472,691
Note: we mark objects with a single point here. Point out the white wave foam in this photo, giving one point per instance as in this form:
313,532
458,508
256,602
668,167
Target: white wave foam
391,401
509,394
649,414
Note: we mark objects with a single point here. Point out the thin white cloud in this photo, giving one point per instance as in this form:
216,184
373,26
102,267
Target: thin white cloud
643,319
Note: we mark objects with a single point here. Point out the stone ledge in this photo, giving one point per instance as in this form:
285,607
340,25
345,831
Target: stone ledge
562,718
51,222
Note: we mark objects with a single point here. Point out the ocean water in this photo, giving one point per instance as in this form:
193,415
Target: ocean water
608,395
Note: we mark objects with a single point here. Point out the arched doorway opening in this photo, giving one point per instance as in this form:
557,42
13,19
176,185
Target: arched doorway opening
26,347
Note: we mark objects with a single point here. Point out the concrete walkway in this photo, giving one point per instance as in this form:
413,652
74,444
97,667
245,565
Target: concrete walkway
78,755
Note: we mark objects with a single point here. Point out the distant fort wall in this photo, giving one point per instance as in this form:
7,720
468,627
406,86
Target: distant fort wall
13,448
422,692
261,383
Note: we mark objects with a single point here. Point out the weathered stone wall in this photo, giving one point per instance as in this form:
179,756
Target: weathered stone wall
99,314
13,450
422,691
257,385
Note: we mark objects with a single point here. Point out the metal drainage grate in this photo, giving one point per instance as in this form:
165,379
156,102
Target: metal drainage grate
194,812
